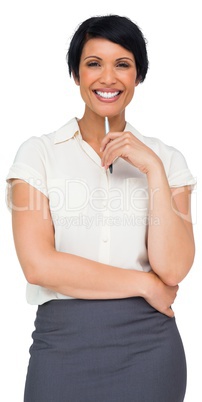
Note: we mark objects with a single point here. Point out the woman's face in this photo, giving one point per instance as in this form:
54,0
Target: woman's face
107,77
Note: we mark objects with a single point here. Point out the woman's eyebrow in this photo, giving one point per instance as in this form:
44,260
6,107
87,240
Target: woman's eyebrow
125,58
95,57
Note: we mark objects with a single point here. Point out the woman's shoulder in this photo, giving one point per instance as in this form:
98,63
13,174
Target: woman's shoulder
41,142
156,144
162,149
174,161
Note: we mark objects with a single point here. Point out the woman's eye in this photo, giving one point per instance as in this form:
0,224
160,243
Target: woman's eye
123,65
93,64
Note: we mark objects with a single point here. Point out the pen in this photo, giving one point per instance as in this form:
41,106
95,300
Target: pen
107,129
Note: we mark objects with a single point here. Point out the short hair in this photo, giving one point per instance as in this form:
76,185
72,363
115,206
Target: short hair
115,28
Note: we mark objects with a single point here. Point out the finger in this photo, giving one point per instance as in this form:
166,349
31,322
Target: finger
108,138
176,290
121,142
106,165
114,150
170,313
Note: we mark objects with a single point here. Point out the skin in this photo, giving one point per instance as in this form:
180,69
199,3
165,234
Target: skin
108,67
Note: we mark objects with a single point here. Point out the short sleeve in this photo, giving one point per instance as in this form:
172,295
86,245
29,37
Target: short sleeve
175,165
29,165
179,173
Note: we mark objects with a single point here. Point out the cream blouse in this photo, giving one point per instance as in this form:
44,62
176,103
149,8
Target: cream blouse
96,214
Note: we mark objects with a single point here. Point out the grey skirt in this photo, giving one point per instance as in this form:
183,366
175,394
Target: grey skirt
105,351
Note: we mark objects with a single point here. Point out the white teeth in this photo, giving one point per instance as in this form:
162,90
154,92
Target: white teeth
107,95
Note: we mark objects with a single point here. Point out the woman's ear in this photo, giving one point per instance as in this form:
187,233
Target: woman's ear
137,81
76,79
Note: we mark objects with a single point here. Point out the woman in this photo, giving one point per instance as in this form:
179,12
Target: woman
103,252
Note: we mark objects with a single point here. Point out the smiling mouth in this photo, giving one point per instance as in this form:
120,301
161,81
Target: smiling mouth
107,95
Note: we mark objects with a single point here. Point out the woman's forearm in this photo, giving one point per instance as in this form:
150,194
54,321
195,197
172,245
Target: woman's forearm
170,237
86,279
79,277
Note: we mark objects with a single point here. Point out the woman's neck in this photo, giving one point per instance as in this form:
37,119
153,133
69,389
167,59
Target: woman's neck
92,128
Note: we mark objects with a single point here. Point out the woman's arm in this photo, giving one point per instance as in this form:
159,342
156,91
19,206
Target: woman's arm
170,242
69,274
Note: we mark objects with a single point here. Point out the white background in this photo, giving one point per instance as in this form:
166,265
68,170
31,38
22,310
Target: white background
37,97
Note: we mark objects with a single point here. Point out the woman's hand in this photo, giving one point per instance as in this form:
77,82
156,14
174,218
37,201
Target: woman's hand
159,295
125,145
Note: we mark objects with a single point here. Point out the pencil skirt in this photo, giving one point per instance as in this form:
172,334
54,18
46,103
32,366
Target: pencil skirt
105,351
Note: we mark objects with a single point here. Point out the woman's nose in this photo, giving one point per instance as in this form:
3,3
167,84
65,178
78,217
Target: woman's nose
108,76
